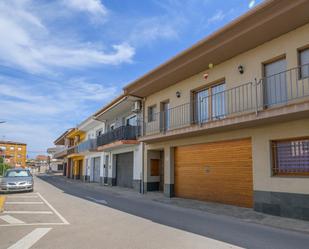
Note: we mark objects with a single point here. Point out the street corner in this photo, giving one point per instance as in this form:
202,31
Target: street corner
2,201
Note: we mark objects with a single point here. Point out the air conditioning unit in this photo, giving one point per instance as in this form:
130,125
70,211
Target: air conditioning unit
137,106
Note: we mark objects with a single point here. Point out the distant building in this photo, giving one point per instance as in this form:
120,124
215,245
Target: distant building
41,163
54,164
13,153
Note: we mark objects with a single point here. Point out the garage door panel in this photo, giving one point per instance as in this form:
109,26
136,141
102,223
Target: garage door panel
220,172
124,171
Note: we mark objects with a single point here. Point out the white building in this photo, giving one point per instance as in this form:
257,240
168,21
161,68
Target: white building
122,151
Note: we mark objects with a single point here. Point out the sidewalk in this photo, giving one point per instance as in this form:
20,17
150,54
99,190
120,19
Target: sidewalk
244,214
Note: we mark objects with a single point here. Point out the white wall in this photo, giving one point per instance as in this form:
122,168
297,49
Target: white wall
137,160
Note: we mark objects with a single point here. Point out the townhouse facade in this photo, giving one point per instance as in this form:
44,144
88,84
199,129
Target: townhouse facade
93,159
122,151
228,119
104,147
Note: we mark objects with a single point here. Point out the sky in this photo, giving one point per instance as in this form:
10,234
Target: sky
62,60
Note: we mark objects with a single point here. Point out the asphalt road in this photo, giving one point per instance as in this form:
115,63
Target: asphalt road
75,216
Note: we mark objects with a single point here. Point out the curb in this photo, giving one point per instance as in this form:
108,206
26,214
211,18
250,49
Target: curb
2,201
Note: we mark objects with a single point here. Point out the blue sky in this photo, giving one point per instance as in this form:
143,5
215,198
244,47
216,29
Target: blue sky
62,60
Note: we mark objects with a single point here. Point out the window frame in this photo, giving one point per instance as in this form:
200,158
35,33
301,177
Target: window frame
299,51
129,118
208,87
273,144
151,118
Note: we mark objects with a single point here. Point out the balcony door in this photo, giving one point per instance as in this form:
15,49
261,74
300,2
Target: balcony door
275,88
210,103
131,121
165,115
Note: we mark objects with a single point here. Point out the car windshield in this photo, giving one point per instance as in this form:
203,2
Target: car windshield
17,173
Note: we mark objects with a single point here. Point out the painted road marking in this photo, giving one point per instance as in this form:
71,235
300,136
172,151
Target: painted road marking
27,212
49,212
97,200
11,220
23,202
54,210
34,224
30,239
2,201
23,196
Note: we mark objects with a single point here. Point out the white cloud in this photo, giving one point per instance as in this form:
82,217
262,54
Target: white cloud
27,43
37,116
217,17
147,30
92,6
251,4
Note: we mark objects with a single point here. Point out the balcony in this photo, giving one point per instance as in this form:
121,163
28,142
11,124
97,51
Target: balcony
61,153
288,90
118,134
88,145
72,150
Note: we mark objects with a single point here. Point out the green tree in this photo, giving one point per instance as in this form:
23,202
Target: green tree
3,166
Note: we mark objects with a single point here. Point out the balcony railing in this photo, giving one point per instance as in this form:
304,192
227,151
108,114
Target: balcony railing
88,145
278,89
61,153
120,133
72,150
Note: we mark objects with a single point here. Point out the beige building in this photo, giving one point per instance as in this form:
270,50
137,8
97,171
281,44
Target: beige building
14,153
227,120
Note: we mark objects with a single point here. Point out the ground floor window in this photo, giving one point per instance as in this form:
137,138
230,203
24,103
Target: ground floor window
291,157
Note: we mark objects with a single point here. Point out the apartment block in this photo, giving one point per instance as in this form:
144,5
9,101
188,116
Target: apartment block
14,153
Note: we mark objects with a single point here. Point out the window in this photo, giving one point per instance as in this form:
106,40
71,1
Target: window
19,156
304,63
152,113
131,121
154,167
166,111
12,148
291,157
99,132
19,148
209,103
275,89
112,127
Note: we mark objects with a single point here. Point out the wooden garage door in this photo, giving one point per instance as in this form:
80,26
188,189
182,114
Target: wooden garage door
218,172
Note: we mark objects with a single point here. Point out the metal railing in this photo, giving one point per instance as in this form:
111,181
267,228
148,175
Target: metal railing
278,89
72,150
291,157
88,145
61,153
120,133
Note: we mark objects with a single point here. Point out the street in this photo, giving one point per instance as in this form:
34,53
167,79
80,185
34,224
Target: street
60,214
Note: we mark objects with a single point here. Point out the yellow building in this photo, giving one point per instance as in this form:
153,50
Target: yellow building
14,153
75,160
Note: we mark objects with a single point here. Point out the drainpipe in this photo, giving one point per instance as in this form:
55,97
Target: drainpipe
143,146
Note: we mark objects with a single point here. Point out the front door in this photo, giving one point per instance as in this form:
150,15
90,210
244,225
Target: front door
106,168
275,89
96,169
